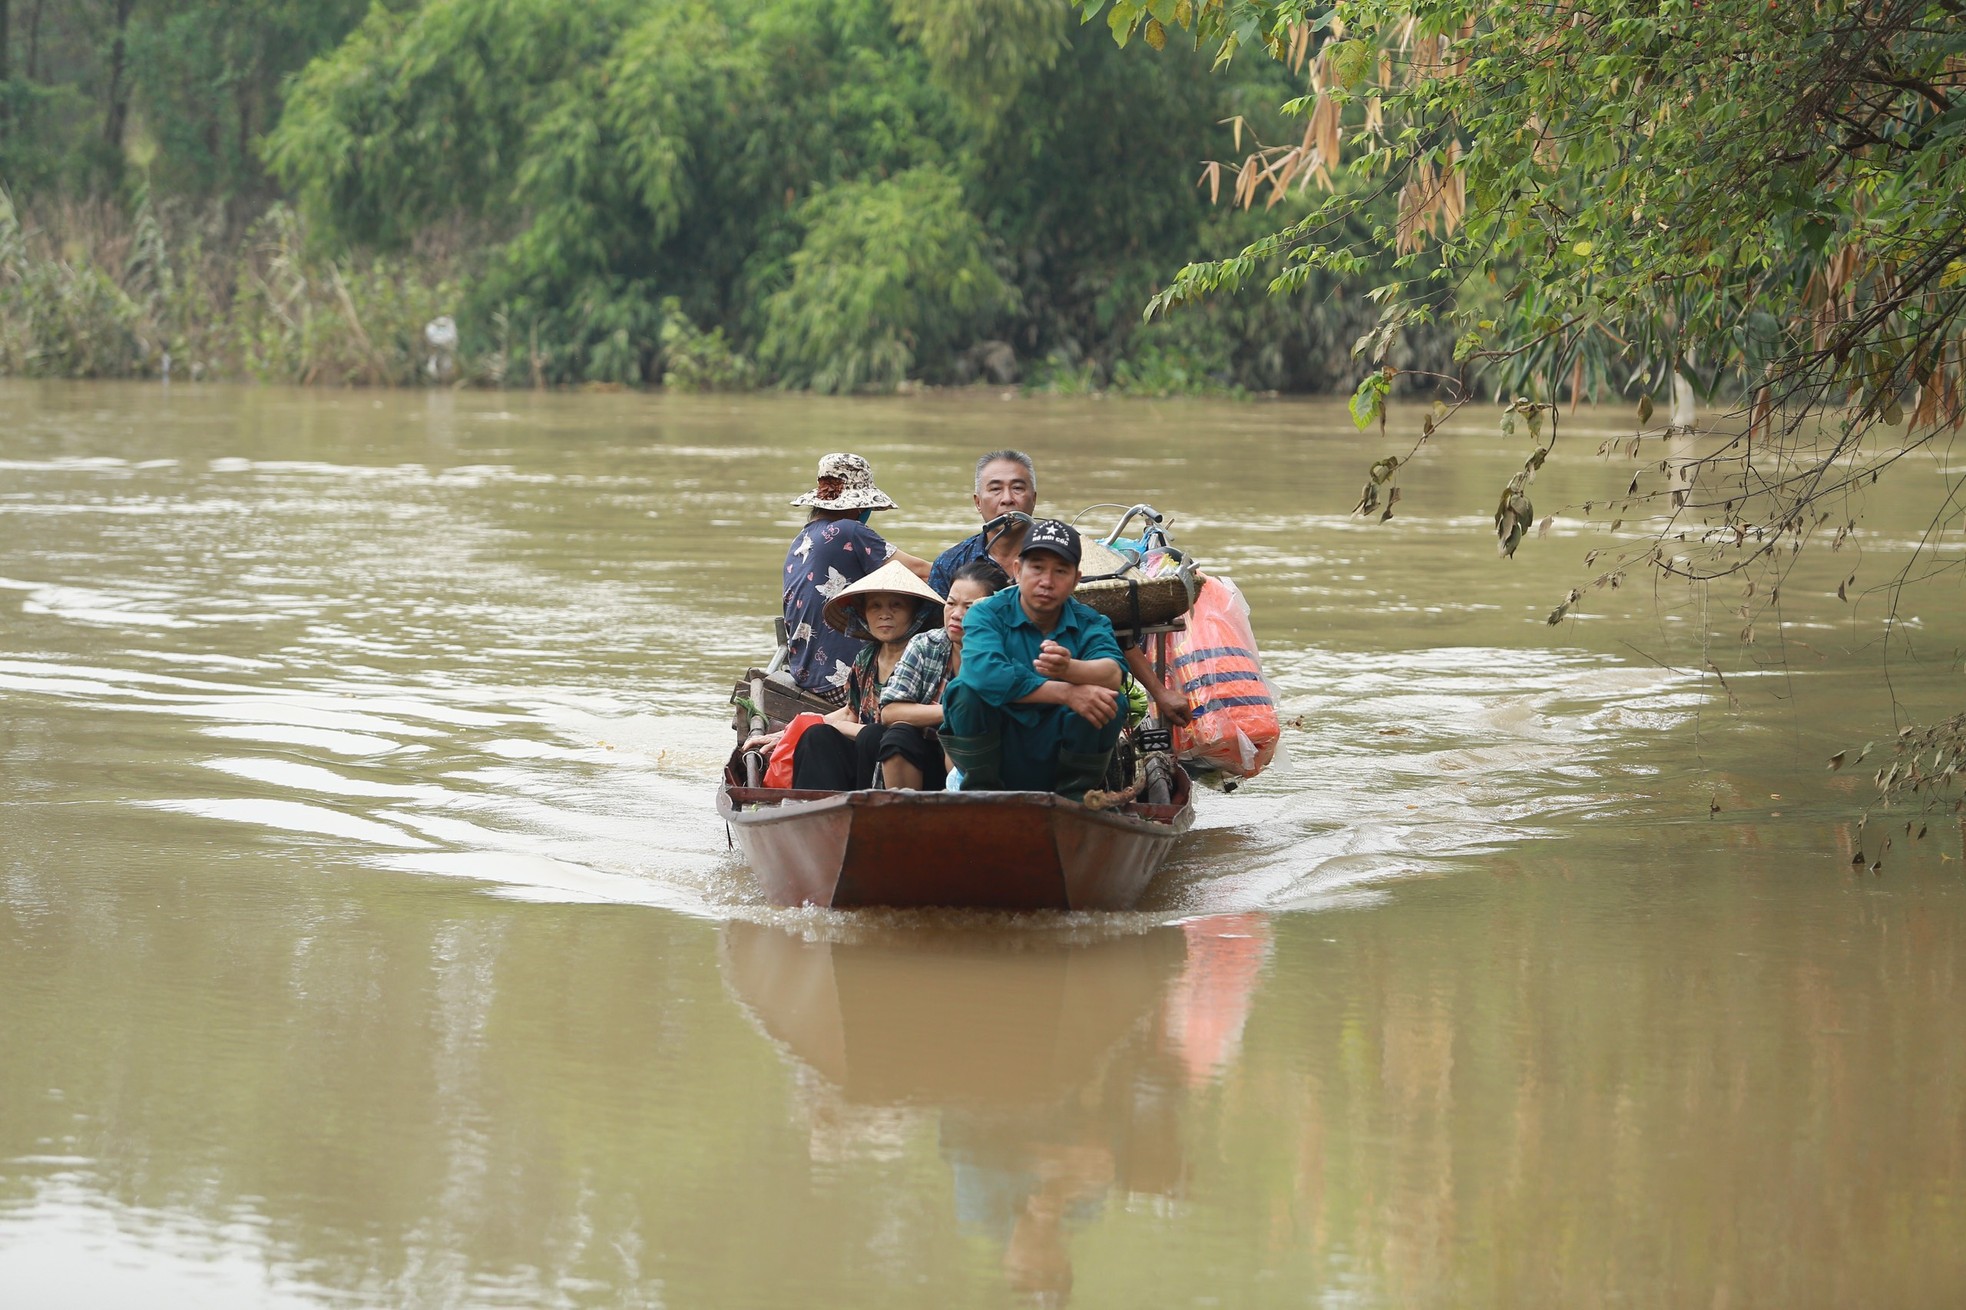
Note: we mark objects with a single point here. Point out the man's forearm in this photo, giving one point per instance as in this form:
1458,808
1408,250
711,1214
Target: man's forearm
1057,691
1094,673
1143,668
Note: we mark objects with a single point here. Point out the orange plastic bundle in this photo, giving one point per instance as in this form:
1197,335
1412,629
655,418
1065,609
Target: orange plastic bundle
779,772
1235,727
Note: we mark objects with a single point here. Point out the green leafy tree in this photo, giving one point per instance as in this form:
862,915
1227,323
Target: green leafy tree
617,152
1724,189
891,277
1753,201
986,53
179,89
205,79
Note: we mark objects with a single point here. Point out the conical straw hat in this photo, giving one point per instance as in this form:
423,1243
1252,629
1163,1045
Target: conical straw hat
894,576
1098,560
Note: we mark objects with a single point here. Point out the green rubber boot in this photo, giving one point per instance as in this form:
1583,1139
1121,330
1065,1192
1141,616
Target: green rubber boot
1078,774
980,758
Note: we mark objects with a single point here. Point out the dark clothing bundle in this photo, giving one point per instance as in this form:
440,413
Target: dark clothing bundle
826,759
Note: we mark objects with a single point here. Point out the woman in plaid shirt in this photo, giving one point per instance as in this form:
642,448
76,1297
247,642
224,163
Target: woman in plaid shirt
912,695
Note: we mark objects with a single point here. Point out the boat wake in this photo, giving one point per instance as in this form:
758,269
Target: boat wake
430,702
1397,767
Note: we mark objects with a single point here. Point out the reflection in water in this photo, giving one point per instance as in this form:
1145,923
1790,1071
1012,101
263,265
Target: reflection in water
288,681
1056,1072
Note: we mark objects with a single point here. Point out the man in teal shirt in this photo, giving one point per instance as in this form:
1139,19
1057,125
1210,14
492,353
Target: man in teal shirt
1036,705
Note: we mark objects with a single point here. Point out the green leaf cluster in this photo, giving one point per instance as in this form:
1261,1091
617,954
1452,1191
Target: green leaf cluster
1768,190
854,192
889,273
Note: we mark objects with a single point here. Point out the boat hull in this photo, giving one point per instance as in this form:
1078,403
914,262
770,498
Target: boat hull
987,850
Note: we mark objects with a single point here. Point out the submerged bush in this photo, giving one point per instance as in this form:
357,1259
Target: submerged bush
116,298
892,279
1150,369
695,360
60,318
302,318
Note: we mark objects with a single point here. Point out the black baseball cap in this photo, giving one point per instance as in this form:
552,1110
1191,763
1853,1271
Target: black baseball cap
1052,535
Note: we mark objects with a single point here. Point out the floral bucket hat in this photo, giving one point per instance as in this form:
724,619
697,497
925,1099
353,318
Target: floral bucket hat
845,482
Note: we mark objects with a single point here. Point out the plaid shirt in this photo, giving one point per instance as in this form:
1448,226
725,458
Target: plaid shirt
922,670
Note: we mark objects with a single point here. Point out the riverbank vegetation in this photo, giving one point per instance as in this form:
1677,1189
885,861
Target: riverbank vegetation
843,195
1752,202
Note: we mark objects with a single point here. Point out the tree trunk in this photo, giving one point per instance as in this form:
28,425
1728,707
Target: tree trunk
118,115
34,40
6,66
1685,412
243,99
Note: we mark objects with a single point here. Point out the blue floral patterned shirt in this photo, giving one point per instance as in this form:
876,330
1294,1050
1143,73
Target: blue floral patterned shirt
942,574
823,560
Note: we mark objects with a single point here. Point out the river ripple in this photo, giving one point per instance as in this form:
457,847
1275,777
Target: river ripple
367,935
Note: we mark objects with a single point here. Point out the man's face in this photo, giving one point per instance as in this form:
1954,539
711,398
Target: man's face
1003,487
1045,581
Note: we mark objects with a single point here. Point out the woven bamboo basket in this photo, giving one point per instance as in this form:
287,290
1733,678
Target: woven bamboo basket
1159,599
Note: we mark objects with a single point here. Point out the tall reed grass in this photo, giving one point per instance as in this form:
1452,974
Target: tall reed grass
89,290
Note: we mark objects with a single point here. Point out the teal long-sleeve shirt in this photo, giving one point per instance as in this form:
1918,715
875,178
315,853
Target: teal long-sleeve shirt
1000,642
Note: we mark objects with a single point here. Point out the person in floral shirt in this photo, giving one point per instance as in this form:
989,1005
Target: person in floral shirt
832,551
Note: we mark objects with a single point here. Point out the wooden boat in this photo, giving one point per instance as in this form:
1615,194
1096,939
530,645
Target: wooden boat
1002,850
1008,850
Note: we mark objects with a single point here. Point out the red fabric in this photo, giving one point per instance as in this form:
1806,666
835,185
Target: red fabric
779,772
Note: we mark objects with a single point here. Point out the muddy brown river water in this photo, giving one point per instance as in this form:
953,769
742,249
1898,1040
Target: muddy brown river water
368,937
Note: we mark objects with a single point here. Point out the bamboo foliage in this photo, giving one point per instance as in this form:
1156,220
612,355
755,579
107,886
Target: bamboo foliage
1432,202
1433,194
1275,172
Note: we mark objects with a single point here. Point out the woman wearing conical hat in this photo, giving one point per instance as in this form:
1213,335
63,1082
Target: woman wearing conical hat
882,611
912,694
834,549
